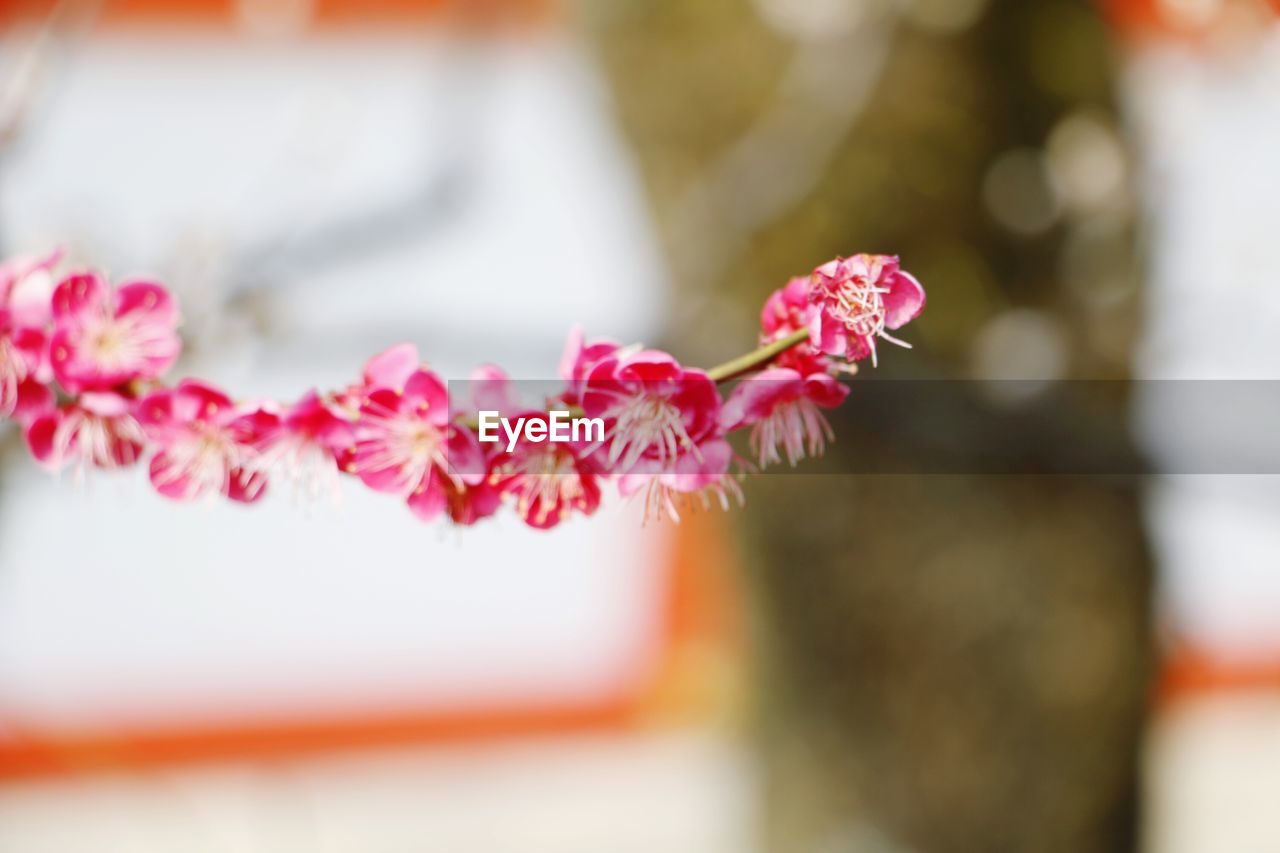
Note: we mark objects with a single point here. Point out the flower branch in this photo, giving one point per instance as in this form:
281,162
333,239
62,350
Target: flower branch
83,368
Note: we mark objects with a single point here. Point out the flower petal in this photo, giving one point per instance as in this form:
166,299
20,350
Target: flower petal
904,301
392,368
428,500
245,486
426,394
149,299
78,294
171,480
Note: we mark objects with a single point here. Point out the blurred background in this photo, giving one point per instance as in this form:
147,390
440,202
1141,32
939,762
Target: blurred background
906,662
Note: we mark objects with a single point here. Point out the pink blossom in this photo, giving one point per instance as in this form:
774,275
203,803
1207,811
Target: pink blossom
206,442
782,408
786,311
311,444
26,288
579,358
859,298
547,482
97,429
653,409
104,338
407,444
691,481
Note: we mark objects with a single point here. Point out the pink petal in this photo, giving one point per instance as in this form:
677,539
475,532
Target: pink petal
155,412
827,334
754,399
33,400
104,404
490,391
311,419
245,486
426,394
254,426
379,402
569,359
473,503
392,368
40,436
649,366
429,499
194,400
825,390
147,298
378,469
698,400
171,481
28,294
466,458
580,357
904,301
77,294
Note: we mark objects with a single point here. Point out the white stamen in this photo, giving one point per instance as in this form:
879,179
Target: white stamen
648,425
119,343
308,466
796,427
205,458
545,477
406,444
663,501
860,306
92,439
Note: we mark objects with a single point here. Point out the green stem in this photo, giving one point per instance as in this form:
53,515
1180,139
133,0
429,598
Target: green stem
746,363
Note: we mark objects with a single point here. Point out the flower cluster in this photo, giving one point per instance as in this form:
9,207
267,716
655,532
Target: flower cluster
83,366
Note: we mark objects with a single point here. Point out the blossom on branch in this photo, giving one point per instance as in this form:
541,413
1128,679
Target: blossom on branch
83,369
859,300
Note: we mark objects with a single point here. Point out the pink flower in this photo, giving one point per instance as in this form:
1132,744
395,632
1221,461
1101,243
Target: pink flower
547,482
98,429
407,444
690,481
786,311
26,285
782,408
206,442
311,444
858,299
653,409
104,338
579,358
